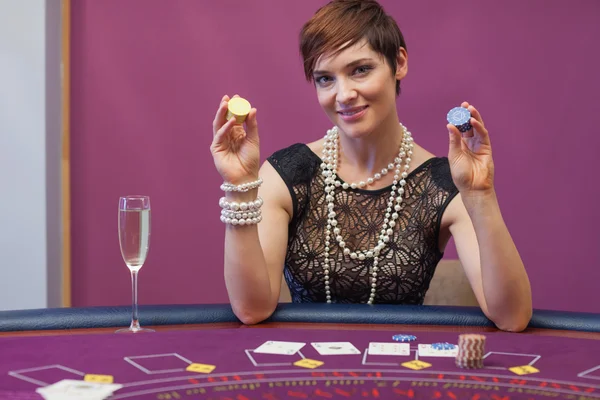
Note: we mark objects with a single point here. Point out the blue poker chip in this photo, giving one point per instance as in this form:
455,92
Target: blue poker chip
460,117
404,338
443,346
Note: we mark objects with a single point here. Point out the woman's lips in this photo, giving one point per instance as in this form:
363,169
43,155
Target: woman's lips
352,114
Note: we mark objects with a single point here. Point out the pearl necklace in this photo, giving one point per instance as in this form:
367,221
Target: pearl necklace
329,167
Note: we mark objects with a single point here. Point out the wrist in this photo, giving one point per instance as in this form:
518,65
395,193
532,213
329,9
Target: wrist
250,195
242,180
479,200
245,189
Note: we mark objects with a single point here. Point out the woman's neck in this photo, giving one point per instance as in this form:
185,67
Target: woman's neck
367,155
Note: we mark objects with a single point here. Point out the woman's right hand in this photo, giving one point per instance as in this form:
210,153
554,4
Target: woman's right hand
236,152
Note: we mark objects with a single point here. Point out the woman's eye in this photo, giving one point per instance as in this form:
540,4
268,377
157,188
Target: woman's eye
363,69
321,80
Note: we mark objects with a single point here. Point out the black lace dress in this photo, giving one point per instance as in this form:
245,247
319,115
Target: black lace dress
408,261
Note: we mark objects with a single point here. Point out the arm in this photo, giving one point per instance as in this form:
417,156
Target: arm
491,261
485,247
255,254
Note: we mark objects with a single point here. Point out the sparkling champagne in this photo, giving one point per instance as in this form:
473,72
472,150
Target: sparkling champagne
134,236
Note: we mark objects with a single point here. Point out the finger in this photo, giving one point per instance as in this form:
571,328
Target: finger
475,114
468,134
219,137
219,120
465,104
455,141
252,125
481,132
238,133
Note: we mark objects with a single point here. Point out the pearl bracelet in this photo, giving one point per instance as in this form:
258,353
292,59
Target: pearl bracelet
240,215
241,221
244,187
244,206
245,213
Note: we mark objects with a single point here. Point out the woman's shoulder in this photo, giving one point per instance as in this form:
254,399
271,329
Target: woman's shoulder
436,168
296,163
296,151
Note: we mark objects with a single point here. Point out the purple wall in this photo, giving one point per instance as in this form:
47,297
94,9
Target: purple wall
149,74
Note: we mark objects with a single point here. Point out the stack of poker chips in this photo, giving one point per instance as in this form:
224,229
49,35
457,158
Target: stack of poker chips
443,346
460,117
404,338
238,108
471,348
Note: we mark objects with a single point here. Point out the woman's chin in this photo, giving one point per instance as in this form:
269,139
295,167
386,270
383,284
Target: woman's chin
355,130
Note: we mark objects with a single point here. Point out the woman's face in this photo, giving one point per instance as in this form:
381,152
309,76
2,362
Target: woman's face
357,89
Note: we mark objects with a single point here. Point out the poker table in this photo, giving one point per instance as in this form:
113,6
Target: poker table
204,352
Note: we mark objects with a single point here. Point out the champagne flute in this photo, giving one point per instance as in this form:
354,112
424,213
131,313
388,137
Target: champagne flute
134,240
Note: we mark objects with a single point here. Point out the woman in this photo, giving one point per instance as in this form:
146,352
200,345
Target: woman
364,214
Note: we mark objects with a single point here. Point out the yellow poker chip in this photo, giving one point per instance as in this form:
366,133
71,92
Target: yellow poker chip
98,378
201,368
416,365
524,370
308,363
239,109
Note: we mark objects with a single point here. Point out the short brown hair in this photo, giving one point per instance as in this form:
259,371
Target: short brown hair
344,23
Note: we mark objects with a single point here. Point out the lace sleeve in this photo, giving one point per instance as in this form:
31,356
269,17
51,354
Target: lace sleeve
297,165
442,178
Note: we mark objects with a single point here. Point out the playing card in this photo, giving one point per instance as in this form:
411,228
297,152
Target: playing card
68,389
425,350
389,349
335,348
67,396
277,347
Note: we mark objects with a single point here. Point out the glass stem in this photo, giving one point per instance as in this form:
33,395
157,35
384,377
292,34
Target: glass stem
135,323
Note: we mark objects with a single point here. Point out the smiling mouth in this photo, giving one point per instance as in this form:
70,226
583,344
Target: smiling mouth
352,111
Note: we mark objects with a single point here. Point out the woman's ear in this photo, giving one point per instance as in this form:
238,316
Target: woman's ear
401,64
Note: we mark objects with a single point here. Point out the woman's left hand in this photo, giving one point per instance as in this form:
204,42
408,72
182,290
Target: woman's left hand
470,156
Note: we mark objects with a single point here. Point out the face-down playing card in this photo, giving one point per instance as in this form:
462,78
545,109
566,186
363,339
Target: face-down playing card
335,348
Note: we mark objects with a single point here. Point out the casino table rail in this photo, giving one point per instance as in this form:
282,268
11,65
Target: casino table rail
157,315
